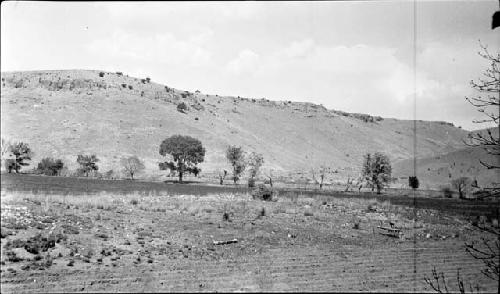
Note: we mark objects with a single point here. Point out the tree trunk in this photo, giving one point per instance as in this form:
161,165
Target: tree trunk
379,188
180,176
132,175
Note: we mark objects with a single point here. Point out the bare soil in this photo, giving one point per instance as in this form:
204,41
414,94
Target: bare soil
160,243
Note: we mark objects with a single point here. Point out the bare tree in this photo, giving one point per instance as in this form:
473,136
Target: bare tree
132,165
488,103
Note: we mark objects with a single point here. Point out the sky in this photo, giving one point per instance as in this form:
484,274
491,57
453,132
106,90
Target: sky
350,56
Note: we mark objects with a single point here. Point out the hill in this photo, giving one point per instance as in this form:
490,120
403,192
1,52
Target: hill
69,112
440,170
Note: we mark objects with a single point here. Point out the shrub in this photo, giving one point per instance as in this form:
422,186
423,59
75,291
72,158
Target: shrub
262,192
21,153
148,80
119,73
101,74
50,167
447,193
130,87
143,81
124,85
413,182
182,107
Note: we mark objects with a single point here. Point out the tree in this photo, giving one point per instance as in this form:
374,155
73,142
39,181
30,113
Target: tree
236,157
377,170
132,165
186,152
413,182
21,153
87,163
255,161
222,176
50,167
488,103
461,184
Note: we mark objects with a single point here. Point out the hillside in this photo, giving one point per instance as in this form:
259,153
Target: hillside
65,113
440,170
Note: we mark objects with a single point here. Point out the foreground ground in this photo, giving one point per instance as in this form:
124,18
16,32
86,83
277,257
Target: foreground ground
159,242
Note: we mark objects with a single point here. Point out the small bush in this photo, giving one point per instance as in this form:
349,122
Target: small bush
262,192
143,81
101,74
119,73
182,107
148,80
447,192
124,85
130,87
134,202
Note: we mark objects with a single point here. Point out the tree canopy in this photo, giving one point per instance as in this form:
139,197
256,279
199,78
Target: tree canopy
87,163
186,153
377,170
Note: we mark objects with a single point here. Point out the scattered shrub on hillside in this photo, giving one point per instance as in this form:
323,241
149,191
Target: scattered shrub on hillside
101,74
236,157
119,73
195,118
148,80
130,87
143,81
124,85
142,93
167,89
50,167
182,107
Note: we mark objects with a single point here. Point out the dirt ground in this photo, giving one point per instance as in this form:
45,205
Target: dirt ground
162,243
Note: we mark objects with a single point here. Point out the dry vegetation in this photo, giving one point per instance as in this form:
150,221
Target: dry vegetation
159,242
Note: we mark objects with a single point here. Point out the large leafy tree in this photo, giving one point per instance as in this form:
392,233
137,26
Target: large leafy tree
88,163
132,165
377,170
21,153
236,157
186,153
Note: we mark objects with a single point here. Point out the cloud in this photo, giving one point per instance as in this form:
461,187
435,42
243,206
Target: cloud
299,48
164,48
246,63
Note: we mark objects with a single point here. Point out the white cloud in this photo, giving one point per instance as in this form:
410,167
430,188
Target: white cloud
164,48
299,48
246,63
